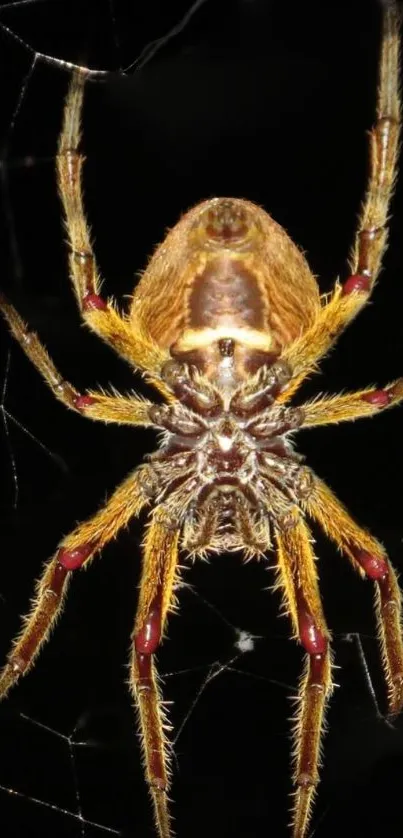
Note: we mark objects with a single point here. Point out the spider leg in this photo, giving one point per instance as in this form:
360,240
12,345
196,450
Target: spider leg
75,551
129,410
371,238
297,577
99,314
369,558
155,600
368,402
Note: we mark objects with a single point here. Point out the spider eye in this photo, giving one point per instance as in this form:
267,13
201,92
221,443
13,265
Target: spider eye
226,223
226,220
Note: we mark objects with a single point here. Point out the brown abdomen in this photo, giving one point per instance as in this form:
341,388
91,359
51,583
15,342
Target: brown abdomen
226,293
226,271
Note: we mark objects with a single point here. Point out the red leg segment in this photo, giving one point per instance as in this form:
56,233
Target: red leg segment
369,557
77,549
298,579
155,600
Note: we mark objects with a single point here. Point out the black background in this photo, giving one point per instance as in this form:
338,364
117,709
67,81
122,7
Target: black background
262,100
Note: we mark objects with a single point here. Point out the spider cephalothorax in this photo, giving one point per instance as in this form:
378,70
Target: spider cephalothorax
226,322
227,464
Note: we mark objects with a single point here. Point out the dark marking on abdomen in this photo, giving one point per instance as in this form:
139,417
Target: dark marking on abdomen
226,293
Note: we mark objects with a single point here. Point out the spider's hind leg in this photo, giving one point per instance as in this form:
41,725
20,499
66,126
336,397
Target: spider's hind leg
298,579
160,567
369,558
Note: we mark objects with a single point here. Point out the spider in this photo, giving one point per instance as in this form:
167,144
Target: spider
226,323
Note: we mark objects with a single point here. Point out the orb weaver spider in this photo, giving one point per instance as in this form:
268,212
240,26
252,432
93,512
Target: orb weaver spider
226,323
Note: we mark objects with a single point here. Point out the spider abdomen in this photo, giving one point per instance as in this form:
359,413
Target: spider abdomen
226,290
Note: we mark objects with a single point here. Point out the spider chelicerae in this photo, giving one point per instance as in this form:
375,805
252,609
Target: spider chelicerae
226,323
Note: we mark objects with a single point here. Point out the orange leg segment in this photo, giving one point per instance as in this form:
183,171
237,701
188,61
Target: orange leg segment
75,551
370,242
331,409
93,404
100,315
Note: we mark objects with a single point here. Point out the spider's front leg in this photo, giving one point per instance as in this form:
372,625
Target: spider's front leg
298,578
75,551
156,599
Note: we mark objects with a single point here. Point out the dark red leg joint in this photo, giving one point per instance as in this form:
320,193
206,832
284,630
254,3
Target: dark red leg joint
73,559
83,401
380,398
94,301
147,640
356,282
375,567
312,639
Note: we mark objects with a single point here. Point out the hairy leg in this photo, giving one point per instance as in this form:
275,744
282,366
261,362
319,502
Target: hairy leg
128,338
368,402
297,577
156,599
371,237
130,410
75,551
370,559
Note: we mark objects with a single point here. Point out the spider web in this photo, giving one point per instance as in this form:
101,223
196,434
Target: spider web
181,105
